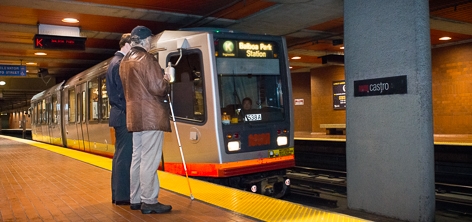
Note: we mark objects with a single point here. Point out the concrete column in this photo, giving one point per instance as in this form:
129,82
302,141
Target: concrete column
389,148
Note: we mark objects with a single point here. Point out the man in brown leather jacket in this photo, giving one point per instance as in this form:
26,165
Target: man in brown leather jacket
147,116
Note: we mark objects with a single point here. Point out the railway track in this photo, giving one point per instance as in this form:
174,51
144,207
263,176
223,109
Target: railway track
322,185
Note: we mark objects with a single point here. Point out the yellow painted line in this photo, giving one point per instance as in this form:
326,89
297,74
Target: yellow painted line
252,205
99,161
453,143
320,139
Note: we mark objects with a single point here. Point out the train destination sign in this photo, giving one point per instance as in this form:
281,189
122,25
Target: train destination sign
12,70
380,86
245,49
59,42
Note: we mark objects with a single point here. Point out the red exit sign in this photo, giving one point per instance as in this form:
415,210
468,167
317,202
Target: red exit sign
58,42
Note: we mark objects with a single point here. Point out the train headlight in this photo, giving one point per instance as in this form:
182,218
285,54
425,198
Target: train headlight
234,146
287,182
282,140
254,188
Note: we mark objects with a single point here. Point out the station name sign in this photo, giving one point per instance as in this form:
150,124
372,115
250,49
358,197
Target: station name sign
245,49
380,86
59,42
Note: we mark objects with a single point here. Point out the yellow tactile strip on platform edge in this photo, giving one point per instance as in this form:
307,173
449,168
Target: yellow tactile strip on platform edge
246,203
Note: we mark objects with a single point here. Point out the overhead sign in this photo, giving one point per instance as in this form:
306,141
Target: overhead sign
381,86
11,70
339,94
245,49
58,42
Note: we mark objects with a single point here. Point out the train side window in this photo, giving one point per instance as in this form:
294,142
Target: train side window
104,103
43,112
187,90
72,105
36,113
48,111
55,109
93,99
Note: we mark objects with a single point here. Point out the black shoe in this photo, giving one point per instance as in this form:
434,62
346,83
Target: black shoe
122,202
135,206
156,208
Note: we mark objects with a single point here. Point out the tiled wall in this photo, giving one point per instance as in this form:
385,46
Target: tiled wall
451,87
322,97
301,91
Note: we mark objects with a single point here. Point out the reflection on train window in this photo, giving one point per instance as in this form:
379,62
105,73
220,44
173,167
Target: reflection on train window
187,90
93,99
105,111
55,109
49,111
38,112
257,79
71,105
43,112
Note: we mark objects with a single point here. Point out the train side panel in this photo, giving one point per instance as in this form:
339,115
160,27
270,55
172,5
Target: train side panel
193,102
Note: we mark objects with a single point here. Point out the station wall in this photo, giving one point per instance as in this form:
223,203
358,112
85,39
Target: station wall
451,88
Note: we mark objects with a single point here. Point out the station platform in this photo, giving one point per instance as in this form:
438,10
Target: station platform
41,182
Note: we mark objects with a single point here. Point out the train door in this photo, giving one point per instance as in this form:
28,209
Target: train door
54,122
39,120
47,125
82,130
71,110
44,121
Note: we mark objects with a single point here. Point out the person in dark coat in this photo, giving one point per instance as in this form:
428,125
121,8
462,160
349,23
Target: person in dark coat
120,173
146,89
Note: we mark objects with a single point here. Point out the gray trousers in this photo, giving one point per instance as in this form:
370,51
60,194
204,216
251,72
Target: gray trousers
147,153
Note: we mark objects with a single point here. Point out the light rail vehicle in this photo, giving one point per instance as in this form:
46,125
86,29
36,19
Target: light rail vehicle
223,142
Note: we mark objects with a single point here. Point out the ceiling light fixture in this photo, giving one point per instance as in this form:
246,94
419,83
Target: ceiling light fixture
445,38
40,53
342,47
70,20
296,57
2,83
31,63
290,67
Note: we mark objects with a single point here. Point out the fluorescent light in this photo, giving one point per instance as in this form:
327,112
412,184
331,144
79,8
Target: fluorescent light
40,53
2,83
31,63
70,20
445,38
342,47
296,57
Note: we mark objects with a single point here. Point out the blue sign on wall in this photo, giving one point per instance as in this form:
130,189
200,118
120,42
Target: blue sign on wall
10,70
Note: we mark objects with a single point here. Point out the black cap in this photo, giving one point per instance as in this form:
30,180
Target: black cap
141,32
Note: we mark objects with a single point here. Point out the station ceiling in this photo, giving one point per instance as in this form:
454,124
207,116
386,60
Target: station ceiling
312,28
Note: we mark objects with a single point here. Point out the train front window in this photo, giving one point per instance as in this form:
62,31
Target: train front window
250,89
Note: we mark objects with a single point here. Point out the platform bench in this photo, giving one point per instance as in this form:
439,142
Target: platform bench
332,129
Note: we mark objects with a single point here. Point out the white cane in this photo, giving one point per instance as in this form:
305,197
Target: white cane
180,146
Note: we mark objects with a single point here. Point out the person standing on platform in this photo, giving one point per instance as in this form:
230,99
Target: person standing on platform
146,89
120,172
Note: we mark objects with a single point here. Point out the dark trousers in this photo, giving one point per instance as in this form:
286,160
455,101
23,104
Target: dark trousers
120,172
